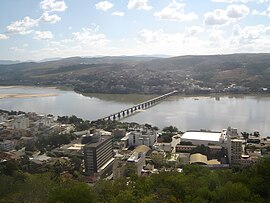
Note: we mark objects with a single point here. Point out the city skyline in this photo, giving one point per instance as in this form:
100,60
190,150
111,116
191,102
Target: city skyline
34,30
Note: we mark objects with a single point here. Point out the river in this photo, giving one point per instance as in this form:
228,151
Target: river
246,113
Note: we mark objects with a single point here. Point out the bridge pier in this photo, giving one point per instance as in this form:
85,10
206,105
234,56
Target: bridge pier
144,105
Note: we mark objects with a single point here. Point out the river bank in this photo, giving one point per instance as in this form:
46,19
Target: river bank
70,88
187,112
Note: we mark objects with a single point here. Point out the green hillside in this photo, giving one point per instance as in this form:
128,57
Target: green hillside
126,74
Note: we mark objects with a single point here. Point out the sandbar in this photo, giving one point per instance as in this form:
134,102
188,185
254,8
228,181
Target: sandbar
21,86
4,96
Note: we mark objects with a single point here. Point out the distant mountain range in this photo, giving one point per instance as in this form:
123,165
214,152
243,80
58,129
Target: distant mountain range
141,74
7,62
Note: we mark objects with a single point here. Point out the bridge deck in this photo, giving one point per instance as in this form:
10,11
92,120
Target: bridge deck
143,105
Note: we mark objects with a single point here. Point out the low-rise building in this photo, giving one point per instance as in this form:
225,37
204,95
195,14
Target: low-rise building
166,147
6,145
142,137
188,148
3,117
204,137
137,160
201,159
43,120
20,122
133,164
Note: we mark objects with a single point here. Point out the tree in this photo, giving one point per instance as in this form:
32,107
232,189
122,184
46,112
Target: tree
75,192
76,161
233,192
84,125
165,137
130,170
158,160
171,129
256,134
261,178
245,136
202,149
155,128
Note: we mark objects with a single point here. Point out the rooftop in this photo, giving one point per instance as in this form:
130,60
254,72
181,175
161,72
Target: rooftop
201,135
101,140
202,159
141,148
198,158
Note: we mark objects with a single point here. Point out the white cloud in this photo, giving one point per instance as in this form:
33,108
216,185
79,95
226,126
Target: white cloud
242,1
193,30
43,35
148,36
139,4
104,5
262,13
22,26
230,14
225,1
118,13
198,40
216,39
90,37
175,11
26,25
16,49
159,38
52,5
3,37
217,17
158,41
237,11
247,39
249,34
47,18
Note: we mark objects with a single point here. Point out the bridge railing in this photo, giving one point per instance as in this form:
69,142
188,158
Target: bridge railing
145,104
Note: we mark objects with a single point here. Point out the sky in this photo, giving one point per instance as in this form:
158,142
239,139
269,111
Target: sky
39,29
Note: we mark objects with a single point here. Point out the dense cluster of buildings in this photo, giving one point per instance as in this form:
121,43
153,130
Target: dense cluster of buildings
21,131
138,150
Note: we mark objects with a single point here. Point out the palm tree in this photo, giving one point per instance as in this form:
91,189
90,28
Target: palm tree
245,135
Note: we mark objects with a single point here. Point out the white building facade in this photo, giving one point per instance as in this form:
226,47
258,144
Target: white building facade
20,122
136,138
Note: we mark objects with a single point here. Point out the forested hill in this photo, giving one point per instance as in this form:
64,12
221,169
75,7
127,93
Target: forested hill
195,184
127,74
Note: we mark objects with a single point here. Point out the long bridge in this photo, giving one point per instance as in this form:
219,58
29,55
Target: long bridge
144,105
